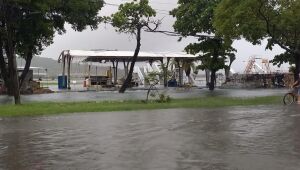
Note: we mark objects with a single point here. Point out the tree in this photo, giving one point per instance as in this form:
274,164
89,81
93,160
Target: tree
256,20
231,57
213,57
26,27
196,17
131,18
188,67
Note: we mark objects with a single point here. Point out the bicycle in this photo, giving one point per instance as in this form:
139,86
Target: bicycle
291,97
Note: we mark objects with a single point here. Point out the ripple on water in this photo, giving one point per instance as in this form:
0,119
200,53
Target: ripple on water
223,138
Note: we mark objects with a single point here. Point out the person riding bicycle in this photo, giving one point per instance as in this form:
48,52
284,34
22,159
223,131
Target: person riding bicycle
296,86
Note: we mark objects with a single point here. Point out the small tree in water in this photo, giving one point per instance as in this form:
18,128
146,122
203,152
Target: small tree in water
132,18
153,93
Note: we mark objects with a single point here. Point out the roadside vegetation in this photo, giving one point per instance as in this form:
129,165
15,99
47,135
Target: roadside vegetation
49,108
28,27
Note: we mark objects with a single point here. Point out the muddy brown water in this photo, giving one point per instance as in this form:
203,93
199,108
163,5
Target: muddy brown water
234,138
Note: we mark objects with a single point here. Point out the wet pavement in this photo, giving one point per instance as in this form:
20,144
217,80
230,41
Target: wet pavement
141,95
234,138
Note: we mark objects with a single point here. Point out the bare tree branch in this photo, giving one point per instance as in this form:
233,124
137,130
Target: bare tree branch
176,34
148,28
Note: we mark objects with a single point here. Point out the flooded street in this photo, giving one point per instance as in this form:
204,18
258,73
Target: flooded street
141,95
235,138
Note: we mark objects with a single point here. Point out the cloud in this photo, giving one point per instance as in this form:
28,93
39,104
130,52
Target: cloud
105,37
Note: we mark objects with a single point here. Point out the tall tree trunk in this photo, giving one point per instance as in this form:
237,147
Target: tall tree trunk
227,72
188,74
3,65
9,45
14,77
26,68
13,88
188,71
212,80
207,75
228,68
214,70
9,84
3,69
134,58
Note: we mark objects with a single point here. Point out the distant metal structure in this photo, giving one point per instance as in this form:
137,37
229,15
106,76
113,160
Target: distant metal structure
254,68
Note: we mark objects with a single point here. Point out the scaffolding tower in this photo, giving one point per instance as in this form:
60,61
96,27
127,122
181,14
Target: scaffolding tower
255,67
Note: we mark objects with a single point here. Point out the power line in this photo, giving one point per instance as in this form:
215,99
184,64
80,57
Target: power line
161,11
162,3
153,2
111,4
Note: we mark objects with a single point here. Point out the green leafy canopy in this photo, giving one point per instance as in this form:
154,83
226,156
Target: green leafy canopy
256,20
133,15
196,17
28,26
35,22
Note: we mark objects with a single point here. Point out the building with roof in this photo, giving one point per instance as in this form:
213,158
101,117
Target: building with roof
115,57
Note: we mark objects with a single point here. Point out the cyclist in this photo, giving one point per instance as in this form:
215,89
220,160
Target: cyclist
296,86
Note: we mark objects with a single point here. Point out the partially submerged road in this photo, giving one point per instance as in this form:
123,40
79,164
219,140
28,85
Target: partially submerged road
141,95
246,138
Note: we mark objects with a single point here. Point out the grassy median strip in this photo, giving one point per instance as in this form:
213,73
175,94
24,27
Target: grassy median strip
48,108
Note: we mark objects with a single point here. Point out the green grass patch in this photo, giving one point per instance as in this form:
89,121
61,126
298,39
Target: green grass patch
48,108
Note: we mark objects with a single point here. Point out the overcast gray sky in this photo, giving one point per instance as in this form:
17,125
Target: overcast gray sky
105,37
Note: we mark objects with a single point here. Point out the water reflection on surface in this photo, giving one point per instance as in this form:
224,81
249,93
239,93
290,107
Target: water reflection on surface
262,137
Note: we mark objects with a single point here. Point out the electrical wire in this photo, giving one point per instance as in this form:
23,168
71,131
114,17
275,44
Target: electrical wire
160,11
154,2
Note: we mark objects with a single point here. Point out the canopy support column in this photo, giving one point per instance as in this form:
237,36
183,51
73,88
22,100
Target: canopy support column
115,68
64,66
69,72
126,68
64,71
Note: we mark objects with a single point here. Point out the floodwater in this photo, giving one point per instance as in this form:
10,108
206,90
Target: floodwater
141,95
235,138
